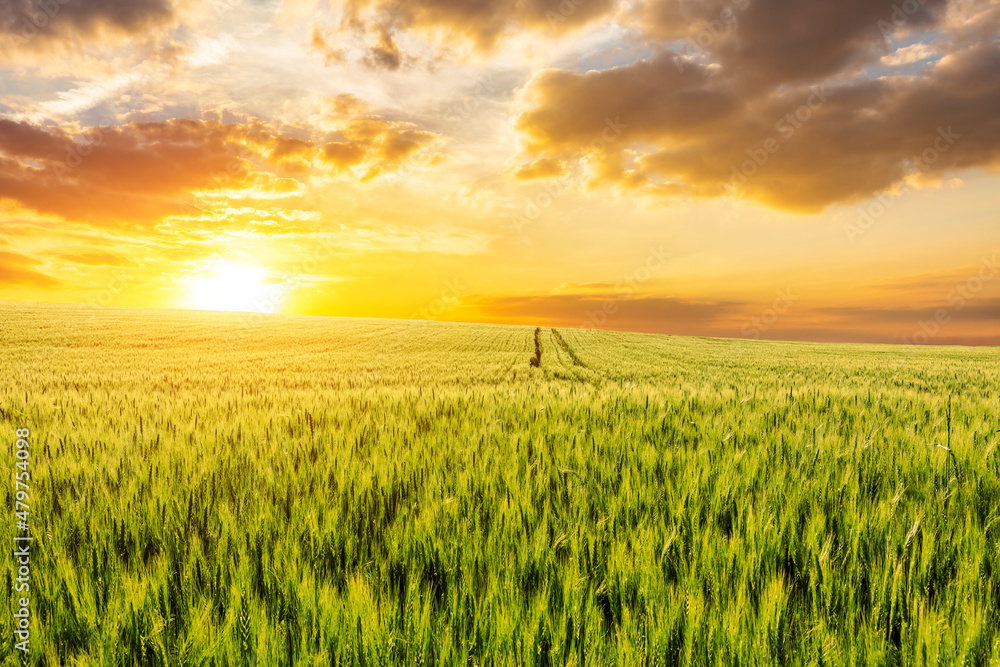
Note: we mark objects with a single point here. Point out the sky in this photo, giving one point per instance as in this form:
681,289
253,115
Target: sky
779,169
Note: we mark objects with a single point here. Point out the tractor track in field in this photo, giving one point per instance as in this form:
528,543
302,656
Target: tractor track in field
577,361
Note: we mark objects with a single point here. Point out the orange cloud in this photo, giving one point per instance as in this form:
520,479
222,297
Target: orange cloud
319,42
94,258
18,269
368,141
543,168
138,172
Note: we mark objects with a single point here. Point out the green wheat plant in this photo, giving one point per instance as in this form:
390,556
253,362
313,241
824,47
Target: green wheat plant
367,492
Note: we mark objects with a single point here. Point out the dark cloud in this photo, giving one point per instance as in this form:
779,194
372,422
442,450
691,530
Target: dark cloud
693,130
27,25
650,100
788,41
770,41
26,140
385,54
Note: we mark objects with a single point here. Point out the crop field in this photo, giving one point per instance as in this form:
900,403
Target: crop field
312,491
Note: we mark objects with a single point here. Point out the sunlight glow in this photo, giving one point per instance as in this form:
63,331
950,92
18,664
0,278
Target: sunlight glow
234,287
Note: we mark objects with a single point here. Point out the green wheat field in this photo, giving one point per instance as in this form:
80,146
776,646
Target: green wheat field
211,490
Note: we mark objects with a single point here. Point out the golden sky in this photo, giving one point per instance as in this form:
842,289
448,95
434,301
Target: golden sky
741,168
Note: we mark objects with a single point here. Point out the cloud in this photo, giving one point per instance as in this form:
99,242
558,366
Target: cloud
319,42
694,130
909,55
929,285
971,320
753,35
94,258
37,25
367,143
771,42
18,269
973,324
611,310
976,309
385,54
438,239
482,24
544,168
142,173
287,149
652,99
138,172
343,154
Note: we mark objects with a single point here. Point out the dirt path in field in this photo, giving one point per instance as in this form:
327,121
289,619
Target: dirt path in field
577,361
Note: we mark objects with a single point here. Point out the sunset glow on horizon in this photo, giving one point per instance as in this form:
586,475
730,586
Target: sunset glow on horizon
693,168
226,286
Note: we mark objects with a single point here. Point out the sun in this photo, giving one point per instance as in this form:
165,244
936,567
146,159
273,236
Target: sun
223,285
